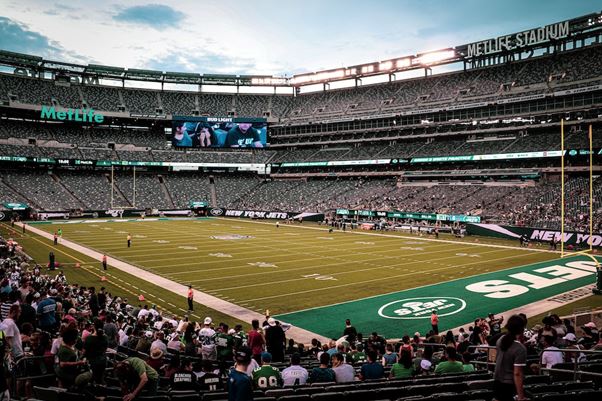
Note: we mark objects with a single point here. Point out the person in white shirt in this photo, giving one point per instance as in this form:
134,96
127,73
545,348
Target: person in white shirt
11,331
207,340
295,375
550,355
158,343
144,312
344,373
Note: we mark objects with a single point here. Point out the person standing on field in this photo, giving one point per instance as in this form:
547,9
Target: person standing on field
435,322
104,262
129,240
190,298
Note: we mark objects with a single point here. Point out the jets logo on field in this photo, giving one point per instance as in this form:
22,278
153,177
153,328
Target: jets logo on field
231,237
421,308
216,211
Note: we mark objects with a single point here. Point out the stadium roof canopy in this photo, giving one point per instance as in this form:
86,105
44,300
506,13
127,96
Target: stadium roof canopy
556,37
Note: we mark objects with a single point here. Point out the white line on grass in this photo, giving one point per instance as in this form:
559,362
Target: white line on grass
362,282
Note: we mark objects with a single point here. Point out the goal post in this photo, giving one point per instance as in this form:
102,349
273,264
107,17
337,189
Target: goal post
588,252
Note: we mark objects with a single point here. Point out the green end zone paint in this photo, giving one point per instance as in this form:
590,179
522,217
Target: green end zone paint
458,302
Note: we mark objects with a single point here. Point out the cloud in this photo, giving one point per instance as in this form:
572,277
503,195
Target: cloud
154,15
17,37
208,63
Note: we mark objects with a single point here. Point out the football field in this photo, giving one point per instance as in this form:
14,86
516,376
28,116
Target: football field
301,272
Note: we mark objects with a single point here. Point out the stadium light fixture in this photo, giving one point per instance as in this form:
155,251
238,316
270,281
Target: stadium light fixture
403,63
433,57
385,66
367,69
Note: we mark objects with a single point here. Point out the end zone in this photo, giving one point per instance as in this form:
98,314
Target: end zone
458,302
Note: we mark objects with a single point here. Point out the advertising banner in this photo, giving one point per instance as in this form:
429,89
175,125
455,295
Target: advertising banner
576,239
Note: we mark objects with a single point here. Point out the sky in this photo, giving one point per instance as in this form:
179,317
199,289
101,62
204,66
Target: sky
265,37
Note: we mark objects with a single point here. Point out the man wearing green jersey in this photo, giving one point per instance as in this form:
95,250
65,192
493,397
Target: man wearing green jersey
267,376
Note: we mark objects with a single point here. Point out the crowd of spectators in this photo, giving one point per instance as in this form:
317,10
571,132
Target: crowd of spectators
538,75
514,203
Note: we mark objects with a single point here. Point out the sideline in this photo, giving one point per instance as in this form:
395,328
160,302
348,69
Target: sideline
228,308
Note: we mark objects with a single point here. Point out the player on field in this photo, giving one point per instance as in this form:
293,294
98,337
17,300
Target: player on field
129,238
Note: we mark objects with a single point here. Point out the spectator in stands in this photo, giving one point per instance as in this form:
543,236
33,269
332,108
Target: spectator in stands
322,374
511,359
376,343
467,362
451,365
12,335
404,367
46,313
159,343
275,340
183,379
358,356
350,332
372,369
135,375
156,359
550,356
590,335
240,386
295,375
344,373
256,340
389,357
207,379
110,331
95,348
267,376
69,364
207,340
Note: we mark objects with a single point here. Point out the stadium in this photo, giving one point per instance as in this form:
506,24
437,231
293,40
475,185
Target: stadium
162,233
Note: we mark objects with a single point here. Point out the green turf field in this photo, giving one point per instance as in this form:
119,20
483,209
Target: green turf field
285,269
303,273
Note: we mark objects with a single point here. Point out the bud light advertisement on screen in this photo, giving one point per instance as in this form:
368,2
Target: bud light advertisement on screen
219,132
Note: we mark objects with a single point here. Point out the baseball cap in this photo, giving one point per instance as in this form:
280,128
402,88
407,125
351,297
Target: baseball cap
53,291
156,353
231,331
243,355
266,357
148,334
425,364
272,321
590,325
570,337
207,320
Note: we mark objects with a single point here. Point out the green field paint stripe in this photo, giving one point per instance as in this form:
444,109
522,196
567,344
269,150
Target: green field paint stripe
406,312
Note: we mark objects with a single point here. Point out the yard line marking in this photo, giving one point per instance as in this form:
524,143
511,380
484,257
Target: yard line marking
407,237
225,307
357,283
447,266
